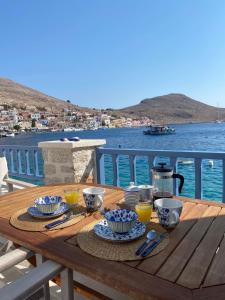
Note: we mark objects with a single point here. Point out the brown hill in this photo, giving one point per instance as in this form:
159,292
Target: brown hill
20,96
175,108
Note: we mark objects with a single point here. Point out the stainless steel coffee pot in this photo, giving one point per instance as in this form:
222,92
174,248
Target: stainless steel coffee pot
162,179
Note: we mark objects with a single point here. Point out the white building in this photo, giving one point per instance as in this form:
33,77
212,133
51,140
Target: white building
35,116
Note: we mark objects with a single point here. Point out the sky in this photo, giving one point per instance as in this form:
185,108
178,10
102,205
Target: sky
114,53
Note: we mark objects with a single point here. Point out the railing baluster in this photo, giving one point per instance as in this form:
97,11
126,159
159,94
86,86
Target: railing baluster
100,165
20,171
27,162
151,160
115,169
36,166
198,178
132,168
173,163
12,161
223,168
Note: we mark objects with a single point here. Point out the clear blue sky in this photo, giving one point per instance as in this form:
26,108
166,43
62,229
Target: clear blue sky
103,53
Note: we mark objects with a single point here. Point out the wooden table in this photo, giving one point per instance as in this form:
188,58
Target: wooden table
191,267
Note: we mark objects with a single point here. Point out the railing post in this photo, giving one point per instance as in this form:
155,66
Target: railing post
173,162
20,171
132,168
12,161
27,162
100,167
223,168
36,167
70,161
151,160
115,169
198,178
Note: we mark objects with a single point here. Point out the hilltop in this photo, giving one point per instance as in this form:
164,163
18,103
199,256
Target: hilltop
174,108
171,108
23,97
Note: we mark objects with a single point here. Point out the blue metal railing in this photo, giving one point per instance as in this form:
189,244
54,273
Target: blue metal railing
23,162
151,156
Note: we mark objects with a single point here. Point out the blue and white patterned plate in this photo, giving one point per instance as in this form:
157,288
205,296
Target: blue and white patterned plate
34,212
103,231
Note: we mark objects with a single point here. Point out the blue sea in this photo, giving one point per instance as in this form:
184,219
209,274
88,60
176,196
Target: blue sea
193,137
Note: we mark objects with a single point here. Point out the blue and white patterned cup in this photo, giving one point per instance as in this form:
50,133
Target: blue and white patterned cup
93,198
168,211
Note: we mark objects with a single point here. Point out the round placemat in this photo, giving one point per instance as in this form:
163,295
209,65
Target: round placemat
22,220
89,242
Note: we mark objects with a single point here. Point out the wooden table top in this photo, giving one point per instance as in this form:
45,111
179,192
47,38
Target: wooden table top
191,267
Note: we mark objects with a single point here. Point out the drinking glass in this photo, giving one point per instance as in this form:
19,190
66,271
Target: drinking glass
71,196
144,211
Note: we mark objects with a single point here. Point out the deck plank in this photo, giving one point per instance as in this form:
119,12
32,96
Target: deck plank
177,261
196,269
152,265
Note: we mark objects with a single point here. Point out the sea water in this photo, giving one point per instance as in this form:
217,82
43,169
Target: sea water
190,137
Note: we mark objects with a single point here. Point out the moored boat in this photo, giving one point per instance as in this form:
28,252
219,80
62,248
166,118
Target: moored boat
159,130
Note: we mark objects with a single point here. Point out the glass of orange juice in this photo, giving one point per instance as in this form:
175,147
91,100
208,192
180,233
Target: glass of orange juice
71,196
144,211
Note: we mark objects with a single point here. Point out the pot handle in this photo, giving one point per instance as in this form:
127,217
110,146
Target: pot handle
181,177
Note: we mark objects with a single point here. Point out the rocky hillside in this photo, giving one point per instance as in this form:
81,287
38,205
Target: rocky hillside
174,108
20,96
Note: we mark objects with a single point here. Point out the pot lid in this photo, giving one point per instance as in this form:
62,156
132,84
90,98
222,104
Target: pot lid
162,167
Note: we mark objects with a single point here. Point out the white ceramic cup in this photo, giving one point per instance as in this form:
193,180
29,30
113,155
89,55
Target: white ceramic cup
168,211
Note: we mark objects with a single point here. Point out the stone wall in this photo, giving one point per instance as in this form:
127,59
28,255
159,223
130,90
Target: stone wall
67,162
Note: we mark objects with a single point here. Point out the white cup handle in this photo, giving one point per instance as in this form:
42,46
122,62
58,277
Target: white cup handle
99,201
175,218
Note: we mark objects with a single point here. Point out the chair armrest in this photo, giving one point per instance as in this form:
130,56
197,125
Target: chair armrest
31,282
14,257
11,182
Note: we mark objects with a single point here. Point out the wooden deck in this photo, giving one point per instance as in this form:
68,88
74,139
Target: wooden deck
191,267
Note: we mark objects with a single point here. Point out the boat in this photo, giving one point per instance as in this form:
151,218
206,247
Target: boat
10,134
159,130
185,162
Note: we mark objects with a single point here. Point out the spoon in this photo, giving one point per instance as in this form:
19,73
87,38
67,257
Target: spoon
151,235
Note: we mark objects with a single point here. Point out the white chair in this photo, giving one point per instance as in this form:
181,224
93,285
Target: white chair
3,170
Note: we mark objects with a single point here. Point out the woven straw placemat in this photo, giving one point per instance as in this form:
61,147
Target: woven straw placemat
22,220
89,242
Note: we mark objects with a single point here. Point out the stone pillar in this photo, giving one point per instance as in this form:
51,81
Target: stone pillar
70,161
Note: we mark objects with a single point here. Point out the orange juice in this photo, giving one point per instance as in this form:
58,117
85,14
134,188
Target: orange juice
72,196
144,211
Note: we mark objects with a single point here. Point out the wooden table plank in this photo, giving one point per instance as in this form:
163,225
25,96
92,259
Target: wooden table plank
179,258
196,269
186,209
216,273
152,265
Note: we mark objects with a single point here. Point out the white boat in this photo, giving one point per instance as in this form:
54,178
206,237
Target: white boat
210,163
10,134
185,162
70,129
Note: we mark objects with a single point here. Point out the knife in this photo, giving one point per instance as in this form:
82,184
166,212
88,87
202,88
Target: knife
148,250
66,218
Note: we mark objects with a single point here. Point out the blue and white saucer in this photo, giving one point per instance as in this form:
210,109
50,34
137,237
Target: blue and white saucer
34,212
104,231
